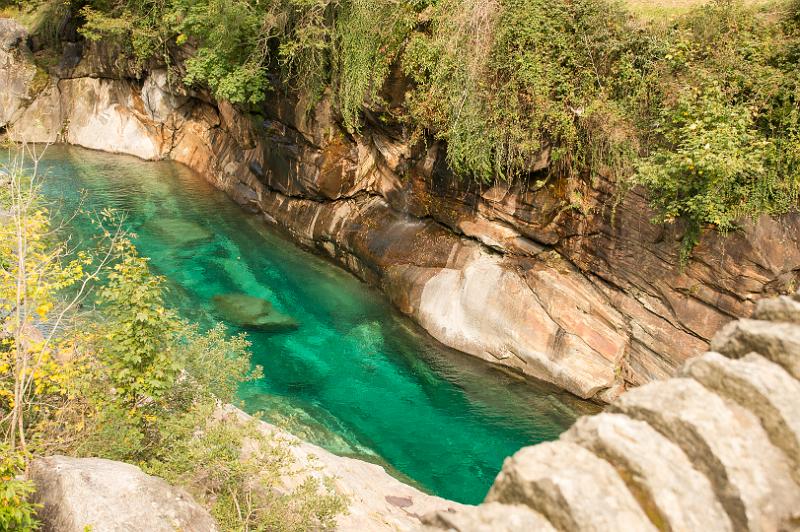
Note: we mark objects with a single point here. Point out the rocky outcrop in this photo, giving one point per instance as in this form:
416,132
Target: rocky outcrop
79,494
712,449
562,281
376,500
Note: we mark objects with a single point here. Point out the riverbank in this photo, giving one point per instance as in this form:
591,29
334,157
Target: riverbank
588,297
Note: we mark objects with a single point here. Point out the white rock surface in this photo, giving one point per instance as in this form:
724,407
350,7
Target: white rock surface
490,517
490,311
760,386
80,494
672,492
726,442
378,501
781,308
571,487
102,115
779,342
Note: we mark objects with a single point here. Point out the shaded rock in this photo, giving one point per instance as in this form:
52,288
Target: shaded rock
17,72
670,490
179,232
571,487
80,494
489,517
778,342
251,312
760,386
40,121
12,34
782,308
724,441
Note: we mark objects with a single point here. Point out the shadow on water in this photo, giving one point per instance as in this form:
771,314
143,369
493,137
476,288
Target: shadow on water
352,374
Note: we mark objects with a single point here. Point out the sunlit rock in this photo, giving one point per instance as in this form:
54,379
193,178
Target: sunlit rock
79,494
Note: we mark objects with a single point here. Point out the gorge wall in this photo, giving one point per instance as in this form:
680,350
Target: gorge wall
717,448
567,282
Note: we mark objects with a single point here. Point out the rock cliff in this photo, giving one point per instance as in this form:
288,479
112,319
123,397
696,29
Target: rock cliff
567,281
715,448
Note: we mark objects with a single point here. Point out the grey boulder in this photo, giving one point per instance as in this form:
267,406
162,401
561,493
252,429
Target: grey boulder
79,494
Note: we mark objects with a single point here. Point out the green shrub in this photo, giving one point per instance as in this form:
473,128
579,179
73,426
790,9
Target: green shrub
247,490
17,512
727,122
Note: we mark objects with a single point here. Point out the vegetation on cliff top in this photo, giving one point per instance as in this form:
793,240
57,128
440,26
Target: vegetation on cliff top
94,363
700,106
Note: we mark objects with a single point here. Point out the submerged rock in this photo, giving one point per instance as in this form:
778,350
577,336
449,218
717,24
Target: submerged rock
180,232
251,312
310,423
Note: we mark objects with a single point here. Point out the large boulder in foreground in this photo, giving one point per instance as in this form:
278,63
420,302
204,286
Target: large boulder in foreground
101,495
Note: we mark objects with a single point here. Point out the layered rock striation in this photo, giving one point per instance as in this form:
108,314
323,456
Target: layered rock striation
565,281
716,448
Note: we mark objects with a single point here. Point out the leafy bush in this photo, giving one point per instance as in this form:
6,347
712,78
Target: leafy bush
241,487
509,82
727,123
17,513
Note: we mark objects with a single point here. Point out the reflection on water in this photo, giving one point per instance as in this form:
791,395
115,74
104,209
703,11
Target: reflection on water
352,375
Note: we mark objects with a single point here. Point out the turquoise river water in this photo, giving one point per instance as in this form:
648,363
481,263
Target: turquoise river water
355,376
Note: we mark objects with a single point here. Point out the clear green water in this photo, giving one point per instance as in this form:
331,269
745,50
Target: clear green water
355,377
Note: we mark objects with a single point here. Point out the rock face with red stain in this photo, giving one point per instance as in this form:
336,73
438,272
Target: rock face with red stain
564,282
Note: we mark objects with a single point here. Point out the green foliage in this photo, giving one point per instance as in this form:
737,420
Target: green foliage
127,380
576,87
368,38
234,36
139,346
241,488
17,512
142,26
728,125
507,83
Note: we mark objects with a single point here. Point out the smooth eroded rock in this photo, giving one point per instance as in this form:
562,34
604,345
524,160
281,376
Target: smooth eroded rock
571,487
80,494
251,312
671,491
489,517
727,443
781,308
12,34
778,342
762,387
